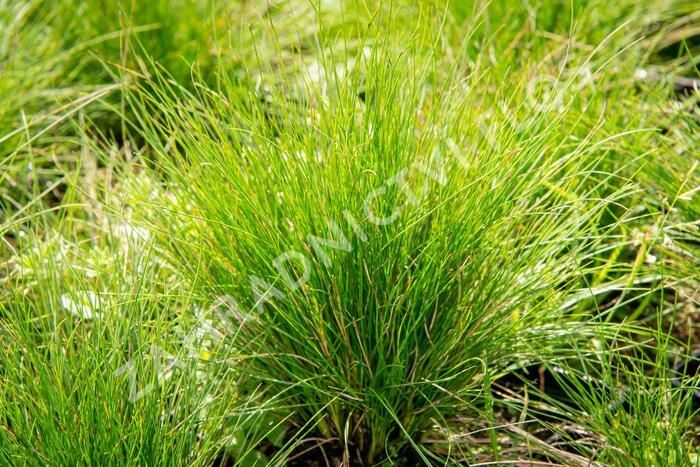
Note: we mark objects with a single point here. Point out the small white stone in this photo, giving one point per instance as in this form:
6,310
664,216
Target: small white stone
90,301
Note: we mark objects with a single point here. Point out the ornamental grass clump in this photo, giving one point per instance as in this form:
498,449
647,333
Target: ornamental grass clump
381,257
343,233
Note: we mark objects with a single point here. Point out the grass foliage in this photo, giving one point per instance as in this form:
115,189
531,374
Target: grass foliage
322,233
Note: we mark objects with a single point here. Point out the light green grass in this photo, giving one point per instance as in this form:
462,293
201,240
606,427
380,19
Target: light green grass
244,232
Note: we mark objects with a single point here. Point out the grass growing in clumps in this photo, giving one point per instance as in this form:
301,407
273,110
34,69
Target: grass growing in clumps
337,233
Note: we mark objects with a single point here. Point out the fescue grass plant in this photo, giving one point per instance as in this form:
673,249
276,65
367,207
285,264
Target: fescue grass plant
334,232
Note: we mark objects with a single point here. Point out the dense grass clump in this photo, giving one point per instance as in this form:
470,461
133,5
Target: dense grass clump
323,233
384,304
